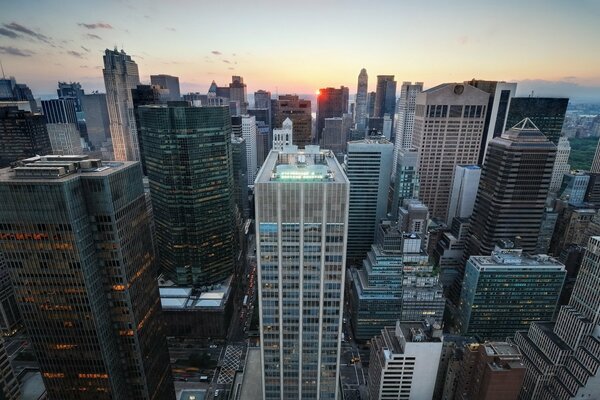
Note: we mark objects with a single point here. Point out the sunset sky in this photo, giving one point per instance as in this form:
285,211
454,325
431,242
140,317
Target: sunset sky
550,46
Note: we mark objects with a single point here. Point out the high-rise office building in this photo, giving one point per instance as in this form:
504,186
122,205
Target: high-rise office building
371,103
240,172
497,110
449,251
547,113
507,291
301,202
595,169
360,111
336,132
563,358
120,76
574,186
22,135
263,138
405,118
465,183
368,166
9,386
249,134
96,118
488,371
299,111
561,164
262,99
143,95
331,103
169,82
449,124
9,313
61,123
512,192
73,91
192,191
284,135
592,195
10,90
403,362
385,96
80,255
406,184
237,93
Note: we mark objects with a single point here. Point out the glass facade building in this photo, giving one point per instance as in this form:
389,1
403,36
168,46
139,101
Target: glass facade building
190,169
301,202
22,135
547,113
76,237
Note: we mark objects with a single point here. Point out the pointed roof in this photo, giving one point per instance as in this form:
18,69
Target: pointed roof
524,131
212,88
287,123
525,124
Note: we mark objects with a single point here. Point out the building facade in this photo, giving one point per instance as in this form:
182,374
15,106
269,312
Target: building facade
301,202
360,110
190,169
283,136
120,76
547,113
331,103
9,386
22,134
249,133
299,111
561,164
405,118
96,118
169,82
77,242
465,183
385,96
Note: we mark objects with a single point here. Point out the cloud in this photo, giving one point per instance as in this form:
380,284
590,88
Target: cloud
171,29
226,61
231,68
92,36
216,53
13,51
8,33
13,26
85,48
97,25
75,53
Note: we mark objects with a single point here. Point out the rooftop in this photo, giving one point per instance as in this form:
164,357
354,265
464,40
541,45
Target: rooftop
293,165
515,259
186,298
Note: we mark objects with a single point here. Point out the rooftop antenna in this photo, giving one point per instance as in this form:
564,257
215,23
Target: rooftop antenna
2,68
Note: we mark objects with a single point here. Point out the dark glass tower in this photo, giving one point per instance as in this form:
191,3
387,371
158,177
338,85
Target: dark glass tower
22,135
76,237
331,102
190,168
385,97
547,113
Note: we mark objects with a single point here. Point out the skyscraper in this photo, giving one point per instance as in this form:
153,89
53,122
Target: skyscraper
336,132
299,111
513,189
465,183
262,99
283,136
331,102
237,93
360,111
405,118
301,202
371,103
79,251
368,167
561,164
61,124
249,134
507,291
10,90
406,184
9,313
191,185
96,118
385,96
240,172
143,95
168,82
562,358
9,386
22,135
73,91
120,76
449,124
596,161
497,110
547,113
574,187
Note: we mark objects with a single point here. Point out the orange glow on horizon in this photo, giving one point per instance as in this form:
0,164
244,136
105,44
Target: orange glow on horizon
318,92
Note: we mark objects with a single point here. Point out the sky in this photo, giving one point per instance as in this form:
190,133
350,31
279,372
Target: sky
551,47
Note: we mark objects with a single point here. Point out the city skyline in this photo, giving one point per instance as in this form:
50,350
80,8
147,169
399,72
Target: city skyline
163,39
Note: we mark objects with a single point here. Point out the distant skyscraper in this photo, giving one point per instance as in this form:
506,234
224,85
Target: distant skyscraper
449,124
120,76
404,360
335,133
249,134
284,135
240,172
62,126
192,191
299,111
507,291
406,185
168,82
9,386
360,111
561,164
368,167
465,183
405,118
22,135
497,110
143,95
385,97
262,99
87,292
574,187
237,93
301,203
371,104
568,368
96,118
512,193
10,90
331,102
547,113
73,91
